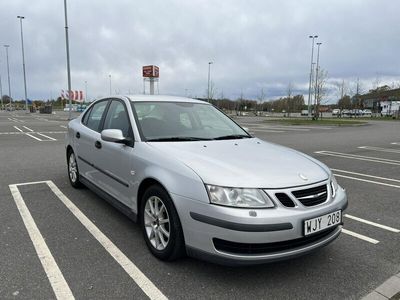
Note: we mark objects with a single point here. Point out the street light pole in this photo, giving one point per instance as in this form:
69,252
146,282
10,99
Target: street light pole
1,94
8,74
316,82
85,91
109,76
23,63
208,88
311,73
68,64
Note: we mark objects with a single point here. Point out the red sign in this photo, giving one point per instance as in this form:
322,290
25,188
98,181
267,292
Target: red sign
151,71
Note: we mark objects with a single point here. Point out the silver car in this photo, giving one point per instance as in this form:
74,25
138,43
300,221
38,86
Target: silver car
199,184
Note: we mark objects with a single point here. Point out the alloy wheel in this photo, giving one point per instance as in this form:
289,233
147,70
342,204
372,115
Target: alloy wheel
157,223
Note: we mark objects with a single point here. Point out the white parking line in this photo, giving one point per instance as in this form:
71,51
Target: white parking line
18,129
369,181
12,119
380,149
360,236
17,120
22,132
133,271
395,143
365,175
296,126
27,128
266,130
50,138
63,126
360,157
34,137
372,223
56,278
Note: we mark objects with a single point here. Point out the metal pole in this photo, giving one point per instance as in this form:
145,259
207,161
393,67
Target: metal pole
23,63
311,73
8,74
85,91
208,88
151,86
1,94
109,76
316,81
68,63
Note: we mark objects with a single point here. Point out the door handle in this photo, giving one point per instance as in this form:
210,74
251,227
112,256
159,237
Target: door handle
78,135
97,145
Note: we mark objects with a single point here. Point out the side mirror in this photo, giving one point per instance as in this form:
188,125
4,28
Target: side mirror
113,135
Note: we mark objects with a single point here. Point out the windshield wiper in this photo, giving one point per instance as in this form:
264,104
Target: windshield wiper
232,137
177,139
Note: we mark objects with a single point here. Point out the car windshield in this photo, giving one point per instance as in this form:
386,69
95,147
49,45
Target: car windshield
184,121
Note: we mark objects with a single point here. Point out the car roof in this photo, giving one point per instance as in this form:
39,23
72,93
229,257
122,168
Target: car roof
162,98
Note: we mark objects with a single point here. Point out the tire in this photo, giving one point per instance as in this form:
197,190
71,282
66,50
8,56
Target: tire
163,238
73,171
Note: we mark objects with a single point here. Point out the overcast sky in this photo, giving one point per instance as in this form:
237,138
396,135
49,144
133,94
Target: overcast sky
253,44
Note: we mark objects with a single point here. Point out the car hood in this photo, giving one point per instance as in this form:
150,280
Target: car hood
250,163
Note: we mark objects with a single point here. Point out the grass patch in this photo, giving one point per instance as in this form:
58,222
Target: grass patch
322,122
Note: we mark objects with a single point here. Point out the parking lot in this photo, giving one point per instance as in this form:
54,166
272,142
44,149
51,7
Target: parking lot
57,241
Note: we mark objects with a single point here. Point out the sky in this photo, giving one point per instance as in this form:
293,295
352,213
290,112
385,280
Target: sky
254,46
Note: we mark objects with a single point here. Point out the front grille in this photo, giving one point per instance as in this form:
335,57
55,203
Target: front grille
266,248
312,196
285,199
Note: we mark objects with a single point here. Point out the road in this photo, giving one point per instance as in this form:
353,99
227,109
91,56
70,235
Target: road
93,249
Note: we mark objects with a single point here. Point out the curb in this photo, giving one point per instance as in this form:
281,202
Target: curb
390,289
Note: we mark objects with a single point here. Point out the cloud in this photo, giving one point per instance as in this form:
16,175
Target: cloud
253,44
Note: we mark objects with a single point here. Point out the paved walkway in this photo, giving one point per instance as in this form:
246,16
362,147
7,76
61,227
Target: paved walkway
390,289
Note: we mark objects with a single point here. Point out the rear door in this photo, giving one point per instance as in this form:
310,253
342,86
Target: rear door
86,138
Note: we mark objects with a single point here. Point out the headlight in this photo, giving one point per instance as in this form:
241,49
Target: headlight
334,186
238,197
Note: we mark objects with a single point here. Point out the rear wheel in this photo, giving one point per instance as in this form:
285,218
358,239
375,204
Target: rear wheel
73,172
160,224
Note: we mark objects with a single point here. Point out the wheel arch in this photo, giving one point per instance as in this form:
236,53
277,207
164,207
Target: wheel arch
68,150
144,185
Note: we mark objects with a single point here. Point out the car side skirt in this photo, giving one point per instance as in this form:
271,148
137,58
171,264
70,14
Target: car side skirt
110,199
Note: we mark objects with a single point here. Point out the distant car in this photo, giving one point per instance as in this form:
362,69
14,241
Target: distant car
357,112
367,112
336,112
346,112
304,112
177,166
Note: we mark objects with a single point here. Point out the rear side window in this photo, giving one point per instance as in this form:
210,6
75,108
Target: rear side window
96,113
86,116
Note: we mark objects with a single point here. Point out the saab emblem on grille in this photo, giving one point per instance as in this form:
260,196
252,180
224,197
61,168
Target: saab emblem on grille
302,176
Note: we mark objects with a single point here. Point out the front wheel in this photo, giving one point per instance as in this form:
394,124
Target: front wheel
160,224
73,172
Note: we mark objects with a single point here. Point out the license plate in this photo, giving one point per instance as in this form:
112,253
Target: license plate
320,223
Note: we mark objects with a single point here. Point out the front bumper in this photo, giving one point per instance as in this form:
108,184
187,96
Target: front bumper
211,230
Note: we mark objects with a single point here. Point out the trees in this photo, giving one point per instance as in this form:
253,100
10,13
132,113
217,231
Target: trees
344,102
322,77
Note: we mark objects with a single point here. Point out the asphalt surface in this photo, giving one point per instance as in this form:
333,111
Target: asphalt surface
349,268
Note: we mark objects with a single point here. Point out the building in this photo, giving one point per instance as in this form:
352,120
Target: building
390,108
383,100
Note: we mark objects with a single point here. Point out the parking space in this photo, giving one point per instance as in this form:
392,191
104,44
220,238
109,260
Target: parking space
32,127
59,242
